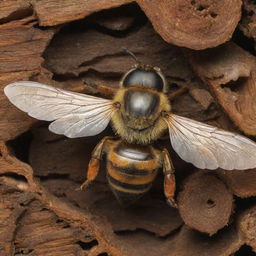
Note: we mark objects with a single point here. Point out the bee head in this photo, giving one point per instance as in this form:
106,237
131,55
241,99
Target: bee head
144,76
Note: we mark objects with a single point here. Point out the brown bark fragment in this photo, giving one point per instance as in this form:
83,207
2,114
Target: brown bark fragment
13,9
195,24
43,233
62,220
247,226
21,46
241,183
248,22
52,12
205,203
230,72
202,96
191,243
11,210
102,55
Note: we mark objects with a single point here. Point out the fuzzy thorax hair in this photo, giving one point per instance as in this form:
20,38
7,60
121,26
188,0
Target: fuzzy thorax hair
140,130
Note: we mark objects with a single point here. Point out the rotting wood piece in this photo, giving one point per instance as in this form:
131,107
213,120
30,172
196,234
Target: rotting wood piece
102,55
241,182
40,231
247,226
11,207
190,243
231,75
10,10
65,210
248,21
205,204
195,24
52,12
21,46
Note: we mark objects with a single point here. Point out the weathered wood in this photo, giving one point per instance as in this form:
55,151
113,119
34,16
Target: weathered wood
87,56
247,226
21,47
241,183
231,75
248,21
191,243
11,207
10,10
205,203
52,12
194,24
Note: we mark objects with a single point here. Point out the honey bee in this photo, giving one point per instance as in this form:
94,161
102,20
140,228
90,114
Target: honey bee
140,113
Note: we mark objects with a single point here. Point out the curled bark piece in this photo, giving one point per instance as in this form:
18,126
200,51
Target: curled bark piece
13,9
205,204
231,74
247,226
191,243
52,12
195,24
241,183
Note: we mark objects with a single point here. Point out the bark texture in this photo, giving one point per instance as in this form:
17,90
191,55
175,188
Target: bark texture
78,45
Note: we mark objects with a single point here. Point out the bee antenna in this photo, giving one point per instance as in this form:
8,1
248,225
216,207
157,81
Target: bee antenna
131,54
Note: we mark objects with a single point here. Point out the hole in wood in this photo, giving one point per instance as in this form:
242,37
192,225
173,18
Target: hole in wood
236,86
210,203
202,7
21,146
14,176
245,250
87,245
213,14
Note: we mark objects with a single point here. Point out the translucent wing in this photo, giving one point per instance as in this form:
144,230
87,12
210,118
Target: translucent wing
208,147
75,114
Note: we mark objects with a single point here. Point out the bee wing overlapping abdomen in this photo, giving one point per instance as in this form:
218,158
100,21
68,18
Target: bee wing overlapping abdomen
74,114
208,147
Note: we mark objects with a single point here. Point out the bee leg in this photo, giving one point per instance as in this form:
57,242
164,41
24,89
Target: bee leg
169,178
94,164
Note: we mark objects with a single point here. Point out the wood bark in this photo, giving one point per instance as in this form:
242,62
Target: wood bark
70,46
205,204
193,24
231,75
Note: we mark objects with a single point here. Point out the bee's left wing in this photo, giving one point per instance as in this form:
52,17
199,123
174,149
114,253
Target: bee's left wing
208,147
75,114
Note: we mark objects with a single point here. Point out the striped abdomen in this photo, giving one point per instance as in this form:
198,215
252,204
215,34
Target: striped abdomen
131,170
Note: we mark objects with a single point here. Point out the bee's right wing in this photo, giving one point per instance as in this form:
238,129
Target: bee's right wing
209,147
75,114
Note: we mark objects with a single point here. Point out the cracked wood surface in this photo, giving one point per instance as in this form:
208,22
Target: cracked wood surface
43,213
